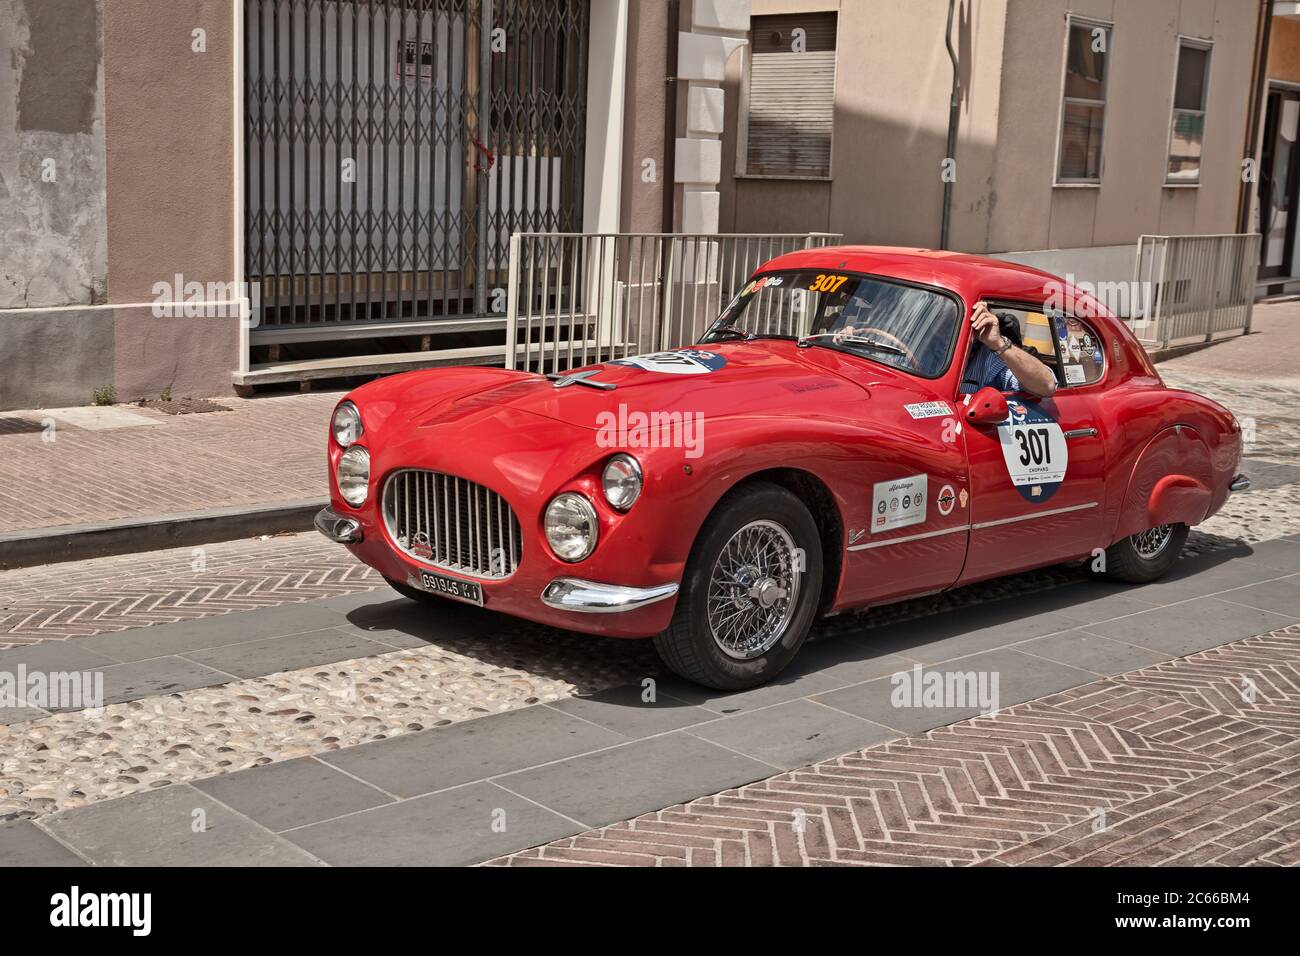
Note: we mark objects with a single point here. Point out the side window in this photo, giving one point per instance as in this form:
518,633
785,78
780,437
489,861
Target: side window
1082,351
1036,335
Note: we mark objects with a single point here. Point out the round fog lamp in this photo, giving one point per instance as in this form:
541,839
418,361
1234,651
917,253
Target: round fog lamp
621,481
354,475
570,525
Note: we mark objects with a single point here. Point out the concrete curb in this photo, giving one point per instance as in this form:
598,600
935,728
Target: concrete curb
22,549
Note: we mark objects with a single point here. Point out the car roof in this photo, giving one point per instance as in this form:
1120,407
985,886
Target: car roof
968,275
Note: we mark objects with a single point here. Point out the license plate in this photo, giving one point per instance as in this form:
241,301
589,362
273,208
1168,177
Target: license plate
452,587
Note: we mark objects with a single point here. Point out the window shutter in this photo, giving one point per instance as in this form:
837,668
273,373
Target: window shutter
791,96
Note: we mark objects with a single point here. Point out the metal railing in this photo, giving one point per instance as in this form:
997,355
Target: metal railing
578,298
1194,288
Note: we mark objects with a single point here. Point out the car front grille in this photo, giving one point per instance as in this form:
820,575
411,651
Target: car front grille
452,523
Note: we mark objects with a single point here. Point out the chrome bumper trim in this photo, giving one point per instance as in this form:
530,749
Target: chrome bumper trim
589,597
1240,483
336,527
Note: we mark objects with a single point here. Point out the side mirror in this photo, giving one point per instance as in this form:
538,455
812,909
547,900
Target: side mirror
988,406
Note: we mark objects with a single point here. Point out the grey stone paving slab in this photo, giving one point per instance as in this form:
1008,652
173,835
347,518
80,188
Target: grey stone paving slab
73,655
1203,575
793,734
1020,677
965,631
787,686
460,753
847,661
625,711
1280,554
276,654
294,793
1091,652
1192,626
218,631
405,623
24,844
163,675
16,715
1266,475
451,828
1281,596
1091,601
156,828
615,784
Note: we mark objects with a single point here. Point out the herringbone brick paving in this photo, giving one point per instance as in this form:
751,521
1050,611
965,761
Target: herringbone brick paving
1191,762
262,450
81,598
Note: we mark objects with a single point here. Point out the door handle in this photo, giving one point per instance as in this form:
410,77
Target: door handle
1081,433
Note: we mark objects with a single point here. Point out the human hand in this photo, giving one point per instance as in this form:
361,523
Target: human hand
986,327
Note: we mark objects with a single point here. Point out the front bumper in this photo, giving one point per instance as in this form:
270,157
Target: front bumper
589,597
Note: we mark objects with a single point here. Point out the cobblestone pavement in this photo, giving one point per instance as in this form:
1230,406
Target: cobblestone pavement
1191,762
150,463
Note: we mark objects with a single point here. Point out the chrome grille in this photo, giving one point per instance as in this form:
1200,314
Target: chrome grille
452,523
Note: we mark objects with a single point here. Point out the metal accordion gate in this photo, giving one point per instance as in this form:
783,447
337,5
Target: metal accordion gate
391,149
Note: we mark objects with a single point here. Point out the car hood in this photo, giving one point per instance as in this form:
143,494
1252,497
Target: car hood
733,380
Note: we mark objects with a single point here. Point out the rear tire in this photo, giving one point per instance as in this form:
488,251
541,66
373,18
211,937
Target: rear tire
745,606
1146,555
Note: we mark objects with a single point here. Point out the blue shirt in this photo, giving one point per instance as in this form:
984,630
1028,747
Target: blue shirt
985,369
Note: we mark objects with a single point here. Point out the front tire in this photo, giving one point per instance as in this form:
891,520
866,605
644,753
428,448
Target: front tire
1146,555
749,593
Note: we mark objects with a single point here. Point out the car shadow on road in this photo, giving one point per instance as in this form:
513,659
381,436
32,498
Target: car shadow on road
853,646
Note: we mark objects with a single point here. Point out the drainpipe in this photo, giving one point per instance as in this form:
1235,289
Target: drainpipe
670,119
953,103
1263,32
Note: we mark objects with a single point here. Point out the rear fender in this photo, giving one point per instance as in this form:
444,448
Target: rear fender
1171,482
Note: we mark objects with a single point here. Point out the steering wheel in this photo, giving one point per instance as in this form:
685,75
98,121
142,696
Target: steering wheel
893,340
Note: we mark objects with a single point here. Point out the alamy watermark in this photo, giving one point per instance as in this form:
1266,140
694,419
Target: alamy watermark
945,689
179,298
1081,298
656,429
52,690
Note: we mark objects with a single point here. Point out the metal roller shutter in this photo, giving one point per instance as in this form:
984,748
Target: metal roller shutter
791,96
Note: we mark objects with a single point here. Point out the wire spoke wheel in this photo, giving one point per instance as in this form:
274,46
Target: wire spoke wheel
753,590
1150,543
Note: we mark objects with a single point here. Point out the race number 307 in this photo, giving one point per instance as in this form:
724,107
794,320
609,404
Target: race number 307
1035,446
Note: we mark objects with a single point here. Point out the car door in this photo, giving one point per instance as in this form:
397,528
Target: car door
1038,477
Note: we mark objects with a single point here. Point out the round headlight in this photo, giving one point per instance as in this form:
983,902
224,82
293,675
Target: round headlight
621,480
571,527
346,424
354,475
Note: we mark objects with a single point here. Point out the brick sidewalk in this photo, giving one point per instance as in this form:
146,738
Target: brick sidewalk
1191,762
149,463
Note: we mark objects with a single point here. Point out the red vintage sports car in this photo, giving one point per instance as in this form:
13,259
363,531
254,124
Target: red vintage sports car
818,450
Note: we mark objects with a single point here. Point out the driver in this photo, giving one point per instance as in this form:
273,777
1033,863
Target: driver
999,358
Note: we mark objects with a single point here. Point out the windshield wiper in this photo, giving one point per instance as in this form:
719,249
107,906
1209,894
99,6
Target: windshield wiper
807,340
734,330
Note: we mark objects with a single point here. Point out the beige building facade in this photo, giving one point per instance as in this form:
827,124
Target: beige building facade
348,172
1009,196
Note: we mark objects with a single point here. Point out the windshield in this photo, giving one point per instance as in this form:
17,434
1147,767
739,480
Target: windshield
902,326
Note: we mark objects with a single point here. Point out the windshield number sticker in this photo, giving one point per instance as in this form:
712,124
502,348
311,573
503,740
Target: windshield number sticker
827,283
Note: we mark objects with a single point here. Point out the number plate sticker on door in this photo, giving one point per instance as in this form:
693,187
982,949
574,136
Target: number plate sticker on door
1035,451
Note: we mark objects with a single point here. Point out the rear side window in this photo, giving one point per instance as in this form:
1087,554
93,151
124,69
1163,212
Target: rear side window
1081,349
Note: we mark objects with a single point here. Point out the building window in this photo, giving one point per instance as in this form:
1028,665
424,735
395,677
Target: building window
790,95
1187,125
1083,103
